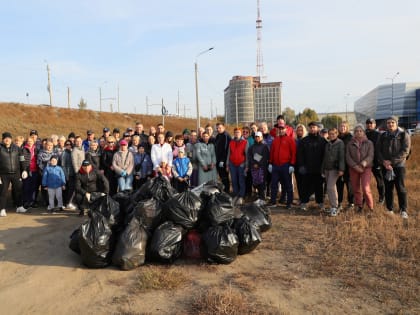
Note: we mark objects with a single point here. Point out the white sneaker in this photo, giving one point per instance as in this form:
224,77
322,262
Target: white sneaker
333,212
3,213
404,214
240,201
21,209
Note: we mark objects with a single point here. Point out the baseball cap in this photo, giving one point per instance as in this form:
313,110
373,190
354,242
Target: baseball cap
181,150
85,163
105,129
123,142
258,134
6,135
89,132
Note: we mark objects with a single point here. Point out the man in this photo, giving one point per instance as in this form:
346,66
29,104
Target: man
345,136
221,145
140,132
89,138
130,131
11,166
106,133
160,129
392,149
89,180
309,158
276,130
373,135
237,164
282,161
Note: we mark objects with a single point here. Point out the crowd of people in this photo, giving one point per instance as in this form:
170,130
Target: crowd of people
64,171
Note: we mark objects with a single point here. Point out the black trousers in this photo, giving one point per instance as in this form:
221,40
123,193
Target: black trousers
380,185
341,182
224,177
16,182
399,185
312,183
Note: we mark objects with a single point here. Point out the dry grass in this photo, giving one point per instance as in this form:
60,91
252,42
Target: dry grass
159,278
19,119
227,301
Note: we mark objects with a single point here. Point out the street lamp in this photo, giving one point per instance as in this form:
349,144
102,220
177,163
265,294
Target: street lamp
392,92
100,95
196,84
347,100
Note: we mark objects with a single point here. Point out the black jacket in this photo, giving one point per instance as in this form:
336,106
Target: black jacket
11,159
94,181
221,145
311,153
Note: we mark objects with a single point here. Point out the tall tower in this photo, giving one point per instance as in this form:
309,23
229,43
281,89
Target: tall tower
260,64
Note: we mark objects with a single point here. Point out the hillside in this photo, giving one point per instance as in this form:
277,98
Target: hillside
19,119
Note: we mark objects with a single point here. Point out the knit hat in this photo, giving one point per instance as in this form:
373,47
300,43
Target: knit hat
394,118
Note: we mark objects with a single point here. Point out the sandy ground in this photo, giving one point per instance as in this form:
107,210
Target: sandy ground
39,274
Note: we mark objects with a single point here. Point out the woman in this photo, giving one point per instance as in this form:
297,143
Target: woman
206,158
151,140
106,164
123,165
93,155
359,157
30,183
333,166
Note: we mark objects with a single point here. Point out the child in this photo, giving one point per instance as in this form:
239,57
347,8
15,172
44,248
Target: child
165,170
53,180
182,170
179,144
143,167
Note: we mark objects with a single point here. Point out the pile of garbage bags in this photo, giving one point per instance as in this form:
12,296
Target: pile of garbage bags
157,224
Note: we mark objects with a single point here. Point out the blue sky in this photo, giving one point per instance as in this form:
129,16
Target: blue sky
320,50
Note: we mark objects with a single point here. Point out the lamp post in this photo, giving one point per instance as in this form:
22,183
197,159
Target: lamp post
196,84
100,96
392,91
347,100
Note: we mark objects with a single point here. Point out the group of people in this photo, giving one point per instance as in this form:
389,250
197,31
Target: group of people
66,170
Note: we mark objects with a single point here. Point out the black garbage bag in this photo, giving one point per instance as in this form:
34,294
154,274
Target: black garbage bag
149,212
248,235
258,215
221,244
130,250
110,209
183,209
166,243
218,209
74,241
158,188
95,241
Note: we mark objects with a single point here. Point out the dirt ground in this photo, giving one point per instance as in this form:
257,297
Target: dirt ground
41,275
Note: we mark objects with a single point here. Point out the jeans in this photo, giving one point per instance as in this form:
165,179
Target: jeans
281,174
237,175
398,182
125,183
30,186
224,177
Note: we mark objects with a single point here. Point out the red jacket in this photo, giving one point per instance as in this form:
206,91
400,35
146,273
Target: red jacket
237,151
283,150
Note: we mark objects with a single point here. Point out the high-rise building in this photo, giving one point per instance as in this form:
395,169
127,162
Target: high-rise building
248,100
398,99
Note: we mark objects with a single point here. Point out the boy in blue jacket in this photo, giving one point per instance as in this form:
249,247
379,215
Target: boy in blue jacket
181,170
54,181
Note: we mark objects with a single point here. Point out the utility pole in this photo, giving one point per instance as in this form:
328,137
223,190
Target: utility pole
100,99
68,97
118,97
147,106
49,84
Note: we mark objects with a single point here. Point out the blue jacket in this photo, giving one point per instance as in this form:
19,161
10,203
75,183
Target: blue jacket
143,165
53,177
182,167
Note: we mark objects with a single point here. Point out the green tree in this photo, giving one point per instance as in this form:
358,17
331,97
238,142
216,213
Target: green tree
306,116
331,121
82,104
289,115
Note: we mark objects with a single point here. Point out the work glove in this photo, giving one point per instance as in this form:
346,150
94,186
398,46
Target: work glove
291,169
221,164
124,173
87,196
270,168
24,175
